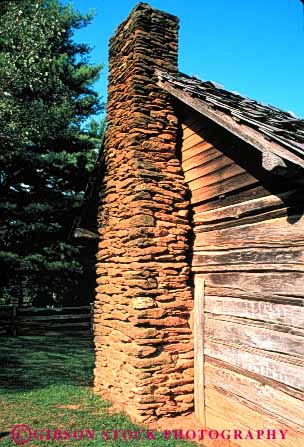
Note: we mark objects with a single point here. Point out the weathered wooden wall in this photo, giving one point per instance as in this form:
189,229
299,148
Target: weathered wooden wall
248,248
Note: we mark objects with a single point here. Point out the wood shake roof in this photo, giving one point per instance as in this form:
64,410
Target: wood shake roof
274,132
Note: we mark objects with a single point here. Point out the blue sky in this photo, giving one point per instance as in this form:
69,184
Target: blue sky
253,47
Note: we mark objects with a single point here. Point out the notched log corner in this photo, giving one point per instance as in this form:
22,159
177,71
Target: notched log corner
277,165
272,162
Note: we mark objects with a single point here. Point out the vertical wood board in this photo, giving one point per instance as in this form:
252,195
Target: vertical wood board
199,386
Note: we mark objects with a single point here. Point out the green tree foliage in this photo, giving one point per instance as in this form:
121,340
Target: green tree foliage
46,151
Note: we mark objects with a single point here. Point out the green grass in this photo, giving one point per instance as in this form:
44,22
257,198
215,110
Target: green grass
46,382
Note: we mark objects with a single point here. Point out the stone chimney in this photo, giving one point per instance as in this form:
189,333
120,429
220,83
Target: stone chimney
143,341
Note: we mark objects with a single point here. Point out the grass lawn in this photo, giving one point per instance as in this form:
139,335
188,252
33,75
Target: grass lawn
46,383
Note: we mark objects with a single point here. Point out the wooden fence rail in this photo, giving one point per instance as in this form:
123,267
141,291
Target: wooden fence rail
46,321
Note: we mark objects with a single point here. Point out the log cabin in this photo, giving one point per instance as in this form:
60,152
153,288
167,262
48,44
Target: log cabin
200,291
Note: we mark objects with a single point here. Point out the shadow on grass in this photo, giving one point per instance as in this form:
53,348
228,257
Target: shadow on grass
36,362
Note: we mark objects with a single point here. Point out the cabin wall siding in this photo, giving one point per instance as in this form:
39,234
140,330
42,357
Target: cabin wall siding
248,248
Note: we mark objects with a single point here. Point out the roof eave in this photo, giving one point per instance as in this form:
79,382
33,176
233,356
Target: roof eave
273,155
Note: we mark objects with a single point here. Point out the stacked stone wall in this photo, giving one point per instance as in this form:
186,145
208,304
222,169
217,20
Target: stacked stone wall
143,339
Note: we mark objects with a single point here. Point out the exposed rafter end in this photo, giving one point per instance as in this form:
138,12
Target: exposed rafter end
272,162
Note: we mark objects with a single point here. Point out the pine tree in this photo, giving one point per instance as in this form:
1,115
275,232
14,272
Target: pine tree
46,154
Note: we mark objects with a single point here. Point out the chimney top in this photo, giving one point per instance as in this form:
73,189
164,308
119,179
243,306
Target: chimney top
145,7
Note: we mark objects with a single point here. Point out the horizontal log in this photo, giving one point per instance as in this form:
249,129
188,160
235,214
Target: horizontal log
255,255
30,329
238,210
249,193
284,314
222,187
30,318
230,412
34,321
282,231
259,378
249,219
82,333
22,310
266,283
279,367
202,268
252,295
291,330
264,394
255,334
53,324
252,259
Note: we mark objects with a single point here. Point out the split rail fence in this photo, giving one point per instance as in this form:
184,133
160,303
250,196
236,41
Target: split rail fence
70,321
